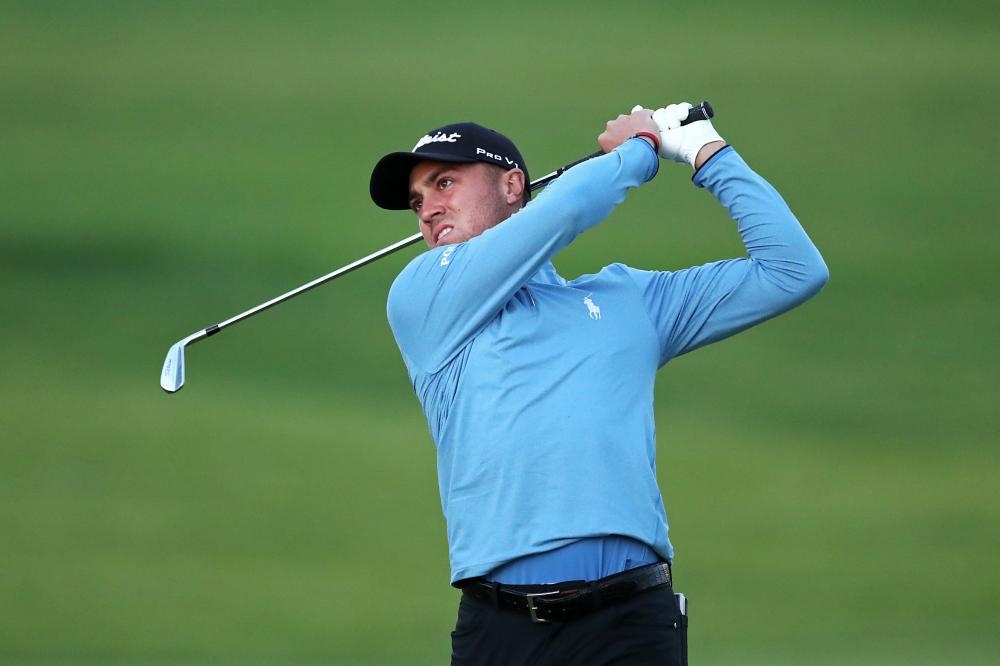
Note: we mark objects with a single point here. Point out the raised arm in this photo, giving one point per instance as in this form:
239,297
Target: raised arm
693,307
703,304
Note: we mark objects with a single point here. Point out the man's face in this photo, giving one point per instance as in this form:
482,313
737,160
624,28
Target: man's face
456,202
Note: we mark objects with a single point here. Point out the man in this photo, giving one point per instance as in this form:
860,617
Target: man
538,390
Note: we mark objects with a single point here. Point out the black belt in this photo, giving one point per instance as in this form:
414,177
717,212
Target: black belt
568,601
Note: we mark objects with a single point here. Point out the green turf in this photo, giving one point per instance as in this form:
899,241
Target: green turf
830,476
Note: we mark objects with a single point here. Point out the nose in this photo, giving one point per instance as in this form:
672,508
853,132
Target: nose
430,209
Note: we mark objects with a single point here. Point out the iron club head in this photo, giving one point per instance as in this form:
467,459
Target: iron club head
172,375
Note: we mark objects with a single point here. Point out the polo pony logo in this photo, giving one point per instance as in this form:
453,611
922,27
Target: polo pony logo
439,137
593,309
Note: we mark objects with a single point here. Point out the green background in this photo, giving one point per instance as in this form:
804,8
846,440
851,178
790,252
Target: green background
831,476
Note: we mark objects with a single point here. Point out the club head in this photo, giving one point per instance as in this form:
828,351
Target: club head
172,376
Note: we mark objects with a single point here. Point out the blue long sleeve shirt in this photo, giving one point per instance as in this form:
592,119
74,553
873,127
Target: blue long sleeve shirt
538,391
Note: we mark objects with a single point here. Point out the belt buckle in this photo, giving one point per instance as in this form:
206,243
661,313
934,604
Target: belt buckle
533,609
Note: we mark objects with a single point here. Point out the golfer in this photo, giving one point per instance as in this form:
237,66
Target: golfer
538,390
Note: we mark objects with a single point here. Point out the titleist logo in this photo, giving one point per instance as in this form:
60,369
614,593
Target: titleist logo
439,137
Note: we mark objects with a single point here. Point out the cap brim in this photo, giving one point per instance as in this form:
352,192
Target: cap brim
390,182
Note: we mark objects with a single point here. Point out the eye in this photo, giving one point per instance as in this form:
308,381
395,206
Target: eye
415,205
445,183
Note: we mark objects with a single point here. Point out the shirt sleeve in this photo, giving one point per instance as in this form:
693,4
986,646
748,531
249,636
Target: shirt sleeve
693,307
444,297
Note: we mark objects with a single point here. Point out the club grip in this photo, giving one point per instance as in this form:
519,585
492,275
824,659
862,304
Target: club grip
703,111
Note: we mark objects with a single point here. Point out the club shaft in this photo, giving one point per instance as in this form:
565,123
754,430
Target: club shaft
703,111
343,270
374,256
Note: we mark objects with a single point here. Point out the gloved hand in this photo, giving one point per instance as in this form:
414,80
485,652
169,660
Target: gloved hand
681,144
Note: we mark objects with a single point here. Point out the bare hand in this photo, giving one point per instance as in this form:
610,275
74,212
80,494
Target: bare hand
623,128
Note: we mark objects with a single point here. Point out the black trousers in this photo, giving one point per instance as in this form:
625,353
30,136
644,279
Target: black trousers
646,630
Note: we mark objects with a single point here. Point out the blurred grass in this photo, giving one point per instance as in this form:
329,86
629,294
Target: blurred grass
830,476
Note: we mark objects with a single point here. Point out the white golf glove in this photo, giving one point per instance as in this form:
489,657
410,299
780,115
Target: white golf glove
681,144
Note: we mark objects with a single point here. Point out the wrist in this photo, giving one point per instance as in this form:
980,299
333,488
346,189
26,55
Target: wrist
706,151
650,138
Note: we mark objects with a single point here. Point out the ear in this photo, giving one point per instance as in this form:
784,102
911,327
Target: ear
513,184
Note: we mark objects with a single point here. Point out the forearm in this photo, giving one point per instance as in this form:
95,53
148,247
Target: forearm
576,201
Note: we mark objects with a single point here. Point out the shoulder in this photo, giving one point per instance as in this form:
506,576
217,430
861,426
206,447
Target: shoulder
408,280
421,267
416,285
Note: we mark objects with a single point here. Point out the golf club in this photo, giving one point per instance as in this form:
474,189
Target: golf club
172,375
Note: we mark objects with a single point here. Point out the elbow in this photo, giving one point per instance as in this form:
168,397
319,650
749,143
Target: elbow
796,281
819,274
813,277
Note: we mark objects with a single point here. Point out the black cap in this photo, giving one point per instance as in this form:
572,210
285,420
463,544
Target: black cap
458,142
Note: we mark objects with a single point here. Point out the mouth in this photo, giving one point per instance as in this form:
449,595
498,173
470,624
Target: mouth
440,234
